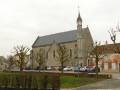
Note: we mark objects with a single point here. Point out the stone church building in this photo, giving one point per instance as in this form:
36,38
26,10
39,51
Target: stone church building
77,42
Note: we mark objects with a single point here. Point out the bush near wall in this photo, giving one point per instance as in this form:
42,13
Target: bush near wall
102,76
106,76
81,74
52,73
29,82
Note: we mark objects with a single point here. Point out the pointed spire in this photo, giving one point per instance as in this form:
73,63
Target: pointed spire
79,19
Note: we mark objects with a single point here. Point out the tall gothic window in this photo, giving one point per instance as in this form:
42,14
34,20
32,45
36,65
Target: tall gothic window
37,55
70,52
47,55
53,53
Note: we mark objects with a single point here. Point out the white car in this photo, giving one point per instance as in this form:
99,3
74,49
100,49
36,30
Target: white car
67,68
84,69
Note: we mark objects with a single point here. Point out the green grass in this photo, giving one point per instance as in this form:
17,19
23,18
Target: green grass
69,81
6,73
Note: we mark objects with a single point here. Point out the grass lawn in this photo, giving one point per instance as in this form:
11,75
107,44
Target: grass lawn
6,73
69,81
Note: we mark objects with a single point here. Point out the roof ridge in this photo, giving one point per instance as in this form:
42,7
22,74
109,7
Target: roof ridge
60,32
56,33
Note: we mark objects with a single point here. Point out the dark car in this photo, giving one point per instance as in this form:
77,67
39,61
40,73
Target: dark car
41,68
76,69
93,69
27,68
50,68
60,68
36,68
90,69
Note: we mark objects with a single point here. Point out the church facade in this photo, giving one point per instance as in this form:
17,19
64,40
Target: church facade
77,42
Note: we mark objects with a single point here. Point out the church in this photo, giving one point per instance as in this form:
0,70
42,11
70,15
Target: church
77,42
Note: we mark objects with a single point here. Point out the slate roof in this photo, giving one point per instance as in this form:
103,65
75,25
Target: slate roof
58,37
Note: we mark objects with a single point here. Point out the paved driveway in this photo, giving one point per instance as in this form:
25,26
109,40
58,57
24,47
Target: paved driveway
110,84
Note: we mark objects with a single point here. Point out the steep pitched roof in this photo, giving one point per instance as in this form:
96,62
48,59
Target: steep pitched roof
109,48
58,37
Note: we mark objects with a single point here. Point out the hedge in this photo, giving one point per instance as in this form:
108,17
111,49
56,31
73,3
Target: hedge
29,82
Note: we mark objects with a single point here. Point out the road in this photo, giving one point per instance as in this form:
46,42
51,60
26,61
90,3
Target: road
109,84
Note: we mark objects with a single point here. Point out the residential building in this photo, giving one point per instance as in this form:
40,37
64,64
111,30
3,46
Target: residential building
111,58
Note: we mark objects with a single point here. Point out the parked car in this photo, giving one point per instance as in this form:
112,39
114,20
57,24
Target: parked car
89,69
27,68
76,69
84,68
67,68
93,69
41,68
60,68
50,68
36,68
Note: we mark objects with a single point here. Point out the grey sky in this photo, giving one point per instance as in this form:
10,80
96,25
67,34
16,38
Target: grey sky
21,21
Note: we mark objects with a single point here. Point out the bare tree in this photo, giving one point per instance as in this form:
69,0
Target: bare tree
21,56
10,62
63,56
113,36
40,58
97,53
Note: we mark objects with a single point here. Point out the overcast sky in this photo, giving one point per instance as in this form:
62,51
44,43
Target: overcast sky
21,21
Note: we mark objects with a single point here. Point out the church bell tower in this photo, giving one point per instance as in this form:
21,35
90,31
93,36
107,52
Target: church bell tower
79,26
79,58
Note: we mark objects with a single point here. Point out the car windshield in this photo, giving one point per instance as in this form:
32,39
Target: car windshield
76,67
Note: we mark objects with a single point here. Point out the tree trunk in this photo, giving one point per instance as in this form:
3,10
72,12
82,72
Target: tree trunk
21,69
21,66
39,67
62,68
96,67
10,68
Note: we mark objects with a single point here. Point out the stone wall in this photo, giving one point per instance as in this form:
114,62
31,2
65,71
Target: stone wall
51,61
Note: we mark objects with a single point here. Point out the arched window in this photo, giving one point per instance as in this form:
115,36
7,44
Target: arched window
53,53
47,55
37,55
70,52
